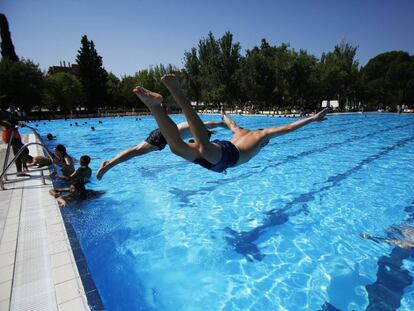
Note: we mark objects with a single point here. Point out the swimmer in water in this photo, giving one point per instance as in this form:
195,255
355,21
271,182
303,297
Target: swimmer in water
406,241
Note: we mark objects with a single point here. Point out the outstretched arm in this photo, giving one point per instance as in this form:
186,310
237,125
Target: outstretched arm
123,156
231,125
284,129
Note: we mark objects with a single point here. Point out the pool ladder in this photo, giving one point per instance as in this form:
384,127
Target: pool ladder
7,164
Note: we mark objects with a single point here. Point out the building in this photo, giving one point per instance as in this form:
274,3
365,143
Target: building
332,104
73,69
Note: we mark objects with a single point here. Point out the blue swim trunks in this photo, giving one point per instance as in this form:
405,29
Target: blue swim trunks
229,157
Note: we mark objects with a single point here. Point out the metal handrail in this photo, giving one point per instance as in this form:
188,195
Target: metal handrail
8,165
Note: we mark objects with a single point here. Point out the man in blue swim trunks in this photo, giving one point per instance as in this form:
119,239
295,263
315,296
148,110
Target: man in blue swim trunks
155,141
217,155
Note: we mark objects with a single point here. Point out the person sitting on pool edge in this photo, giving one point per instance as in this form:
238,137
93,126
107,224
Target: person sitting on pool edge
82,173
217,155
64,160
155,141
76,191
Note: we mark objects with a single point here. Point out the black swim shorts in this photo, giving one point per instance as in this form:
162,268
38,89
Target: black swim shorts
156,139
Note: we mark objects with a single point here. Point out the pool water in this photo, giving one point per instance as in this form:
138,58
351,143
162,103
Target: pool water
278,233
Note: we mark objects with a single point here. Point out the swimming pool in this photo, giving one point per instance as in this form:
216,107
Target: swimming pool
278,233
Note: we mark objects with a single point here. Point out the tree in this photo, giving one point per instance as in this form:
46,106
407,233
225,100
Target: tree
389,78
113,90
257,75
126,86
21,84
62,91
219,61
92,75
339,71
7,47
192,80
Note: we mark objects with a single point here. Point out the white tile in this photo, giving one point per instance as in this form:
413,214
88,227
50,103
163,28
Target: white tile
57,236
76,304
53,221
7,259
60,259
5,290
12,228
12,220
54,228
9,236
58,247
5,304
67,291
63,274
7,247
6,273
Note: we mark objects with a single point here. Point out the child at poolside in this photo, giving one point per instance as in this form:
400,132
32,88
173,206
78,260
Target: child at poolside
82,173
77,179
76,191
39,161
64,160
217,155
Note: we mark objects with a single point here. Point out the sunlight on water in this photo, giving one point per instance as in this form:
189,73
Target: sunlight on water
278,233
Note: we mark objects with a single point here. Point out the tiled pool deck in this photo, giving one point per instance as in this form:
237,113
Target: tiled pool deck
38,269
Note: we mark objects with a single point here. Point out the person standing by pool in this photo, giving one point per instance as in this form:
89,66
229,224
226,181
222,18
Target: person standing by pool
155,141
8,125
217,155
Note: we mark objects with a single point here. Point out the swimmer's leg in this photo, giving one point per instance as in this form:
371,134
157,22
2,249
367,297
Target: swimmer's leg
230,123
209,151
125,155
167,127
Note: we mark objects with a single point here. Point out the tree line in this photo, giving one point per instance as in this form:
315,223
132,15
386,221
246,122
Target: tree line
215,72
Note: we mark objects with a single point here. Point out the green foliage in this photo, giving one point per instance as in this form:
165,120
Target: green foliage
339,72
268,77
21,84
7,47
211,70
389,79
92,75
113,89
63,91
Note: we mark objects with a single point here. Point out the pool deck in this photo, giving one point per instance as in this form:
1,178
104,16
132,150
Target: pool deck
38,270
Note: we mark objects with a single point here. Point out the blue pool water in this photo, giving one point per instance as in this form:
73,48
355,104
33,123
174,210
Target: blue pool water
278,233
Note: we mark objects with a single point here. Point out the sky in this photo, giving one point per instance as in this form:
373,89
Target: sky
133,35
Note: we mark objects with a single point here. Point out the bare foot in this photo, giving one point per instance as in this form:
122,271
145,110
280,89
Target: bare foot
320,116
170,80
102,170
148,98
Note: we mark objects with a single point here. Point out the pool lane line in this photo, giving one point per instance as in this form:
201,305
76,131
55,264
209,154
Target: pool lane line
390,273
391,276
350,139
243,242
184,195
318,130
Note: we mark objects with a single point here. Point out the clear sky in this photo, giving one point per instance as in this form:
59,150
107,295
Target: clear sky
132,35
